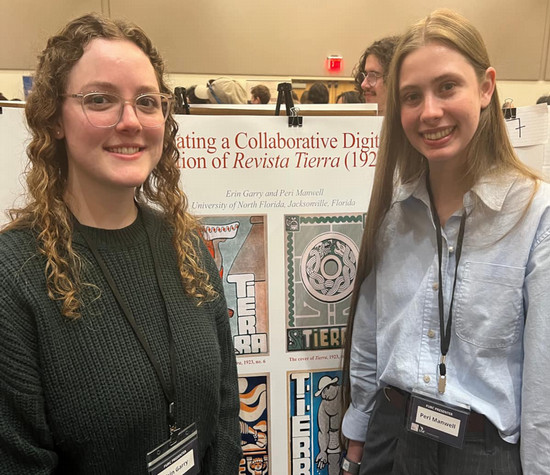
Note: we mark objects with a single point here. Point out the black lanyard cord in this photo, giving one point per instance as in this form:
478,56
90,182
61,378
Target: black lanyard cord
445,330
167,389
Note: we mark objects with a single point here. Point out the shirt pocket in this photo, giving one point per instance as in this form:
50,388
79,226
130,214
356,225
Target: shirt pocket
489,306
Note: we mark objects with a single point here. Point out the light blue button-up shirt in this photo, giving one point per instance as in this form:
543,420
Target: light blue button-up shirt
499,357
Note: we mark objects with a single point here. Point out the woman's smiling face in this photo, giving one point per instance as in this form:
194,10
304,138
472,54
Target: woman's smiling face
123,156
441,100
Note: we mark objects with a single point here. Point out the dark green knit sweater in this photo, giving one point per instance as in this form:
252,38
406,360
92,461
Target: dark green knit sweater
81,397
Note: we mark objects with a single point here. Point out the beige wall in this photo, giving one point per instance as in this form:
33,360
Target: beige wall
201,39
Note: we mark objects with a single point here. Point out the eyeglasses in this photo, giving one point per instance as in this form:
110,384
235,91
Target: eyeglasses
104,109
371,77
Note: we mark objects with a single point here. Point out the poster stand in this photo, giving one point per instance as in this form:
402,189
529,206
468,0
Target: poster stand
258,109
285,89
302,109
181,105
16,104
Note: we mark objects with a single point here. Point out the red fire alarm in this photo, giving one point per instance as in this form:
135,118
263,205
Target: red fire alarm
334,63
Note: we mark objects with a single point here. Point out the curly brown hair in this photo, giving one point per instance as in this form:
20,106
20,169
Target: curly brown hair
383,49
46,212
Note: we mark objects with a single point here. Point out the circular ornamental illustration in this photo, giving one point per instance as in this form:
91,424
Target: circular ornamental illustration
328,266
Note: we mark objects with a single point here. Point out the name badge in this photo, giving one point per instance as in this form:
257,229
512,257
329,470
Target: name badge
437,420
176,456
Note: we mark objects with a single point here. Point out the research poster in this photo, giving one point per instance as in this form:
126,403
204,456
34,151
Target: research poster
283,211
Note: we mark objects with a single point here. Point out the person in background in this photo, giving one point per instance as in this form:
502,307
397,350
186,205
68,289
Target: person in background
222,90
114,329
260,94
2,97
304,97
349,97
318,93
543,100
192,98
371,72
450,315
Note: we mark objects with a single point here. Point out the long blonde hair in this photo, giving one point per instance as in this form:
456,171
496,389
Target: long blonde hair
47,214
489,151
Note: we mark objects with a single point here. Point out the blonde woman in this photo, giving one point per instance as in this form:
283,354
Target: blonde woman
450,326
116,352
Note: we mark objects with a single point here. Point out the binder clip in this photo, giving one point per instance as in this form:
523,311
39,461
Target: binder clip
508,109
295,120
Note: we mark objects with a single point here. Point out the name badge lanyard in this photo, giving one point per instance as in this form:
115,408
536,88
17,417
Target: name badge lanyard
167,389
445,330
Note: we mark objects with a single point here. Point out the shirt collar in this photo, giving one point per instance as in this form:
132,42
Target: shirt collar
491,190
415,188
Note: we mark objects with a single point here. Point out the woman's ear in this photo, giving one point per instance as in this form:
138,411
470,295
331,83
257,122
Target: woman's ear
487,87
59,130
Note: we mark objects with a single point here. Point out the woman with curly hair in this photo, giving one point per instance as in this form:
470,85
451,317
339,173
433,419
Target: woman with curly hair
115,332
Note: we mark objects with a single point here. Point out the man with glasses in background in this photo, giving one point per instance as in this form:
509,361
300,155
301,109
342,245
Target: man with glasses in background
372,70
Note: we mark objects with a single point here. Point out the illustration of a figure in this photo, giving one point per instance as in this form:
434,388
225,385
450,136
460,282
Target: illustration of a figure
254,436
328,420
257,465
